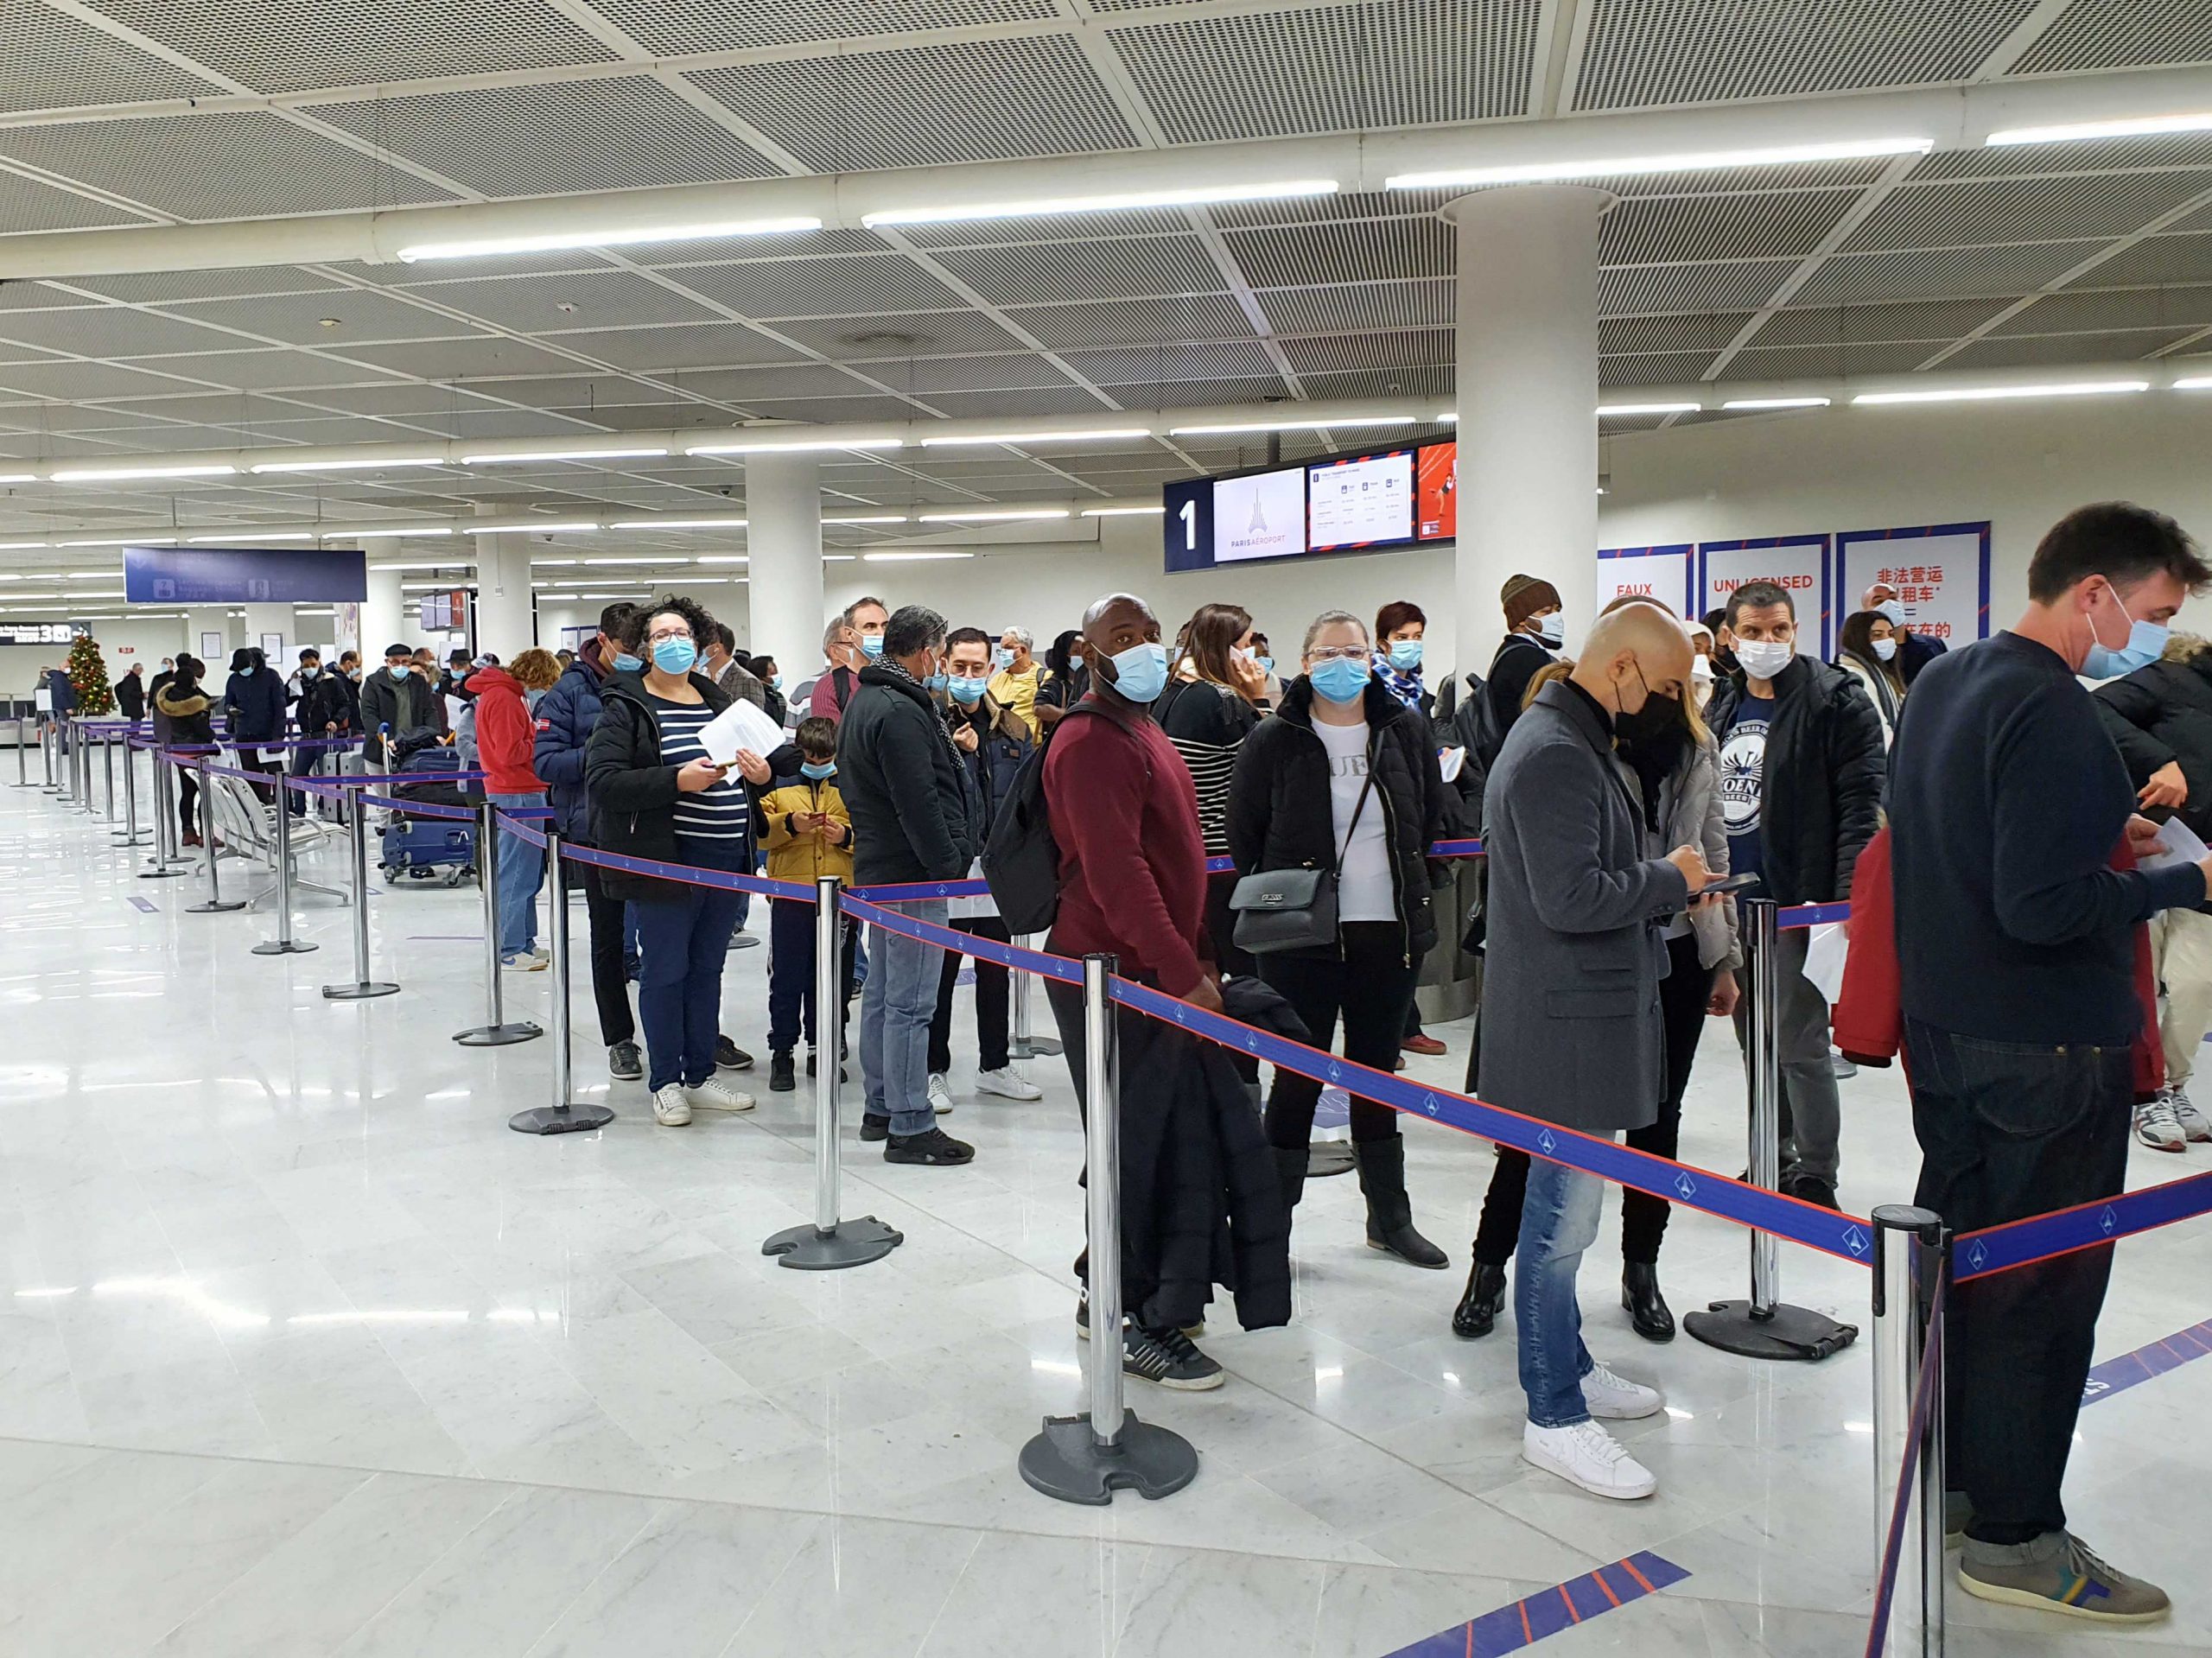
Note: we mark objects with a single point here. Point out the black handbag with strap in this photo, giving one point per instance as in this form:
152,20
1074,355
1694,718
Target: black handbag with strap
1279,909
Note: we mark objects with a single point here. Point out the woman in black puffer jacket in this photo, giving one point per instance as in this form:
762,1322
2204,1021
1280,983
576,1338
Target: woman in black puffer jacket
1344,778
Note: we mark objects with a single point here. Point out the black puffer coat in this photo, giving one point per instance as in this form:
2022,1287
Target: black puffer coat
914,809
632,791
1278,810
2163,713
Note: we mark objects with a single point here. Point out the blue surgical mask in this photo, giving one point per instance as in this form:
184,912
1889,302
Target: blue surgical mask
400,672
775,681
935,682
627,664
674,656
1003,656
966,692
1893,610
2146,643
817,769
1140,671
1341,679
1405,655
871,645
1267,664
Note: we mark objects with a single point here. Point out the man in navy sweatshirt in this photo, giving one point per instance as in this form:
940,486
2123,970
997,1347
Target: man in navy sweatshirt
2007,801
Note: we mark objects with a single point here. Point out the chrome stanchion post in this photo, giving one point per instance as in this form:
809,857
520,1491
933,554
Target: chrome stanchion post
284,944
130,837
107,773
562,1117
161,865
1911,1264
1084,1458
1762,1327
363,987
82,770
1024,1044
827,1243
495,1032
22,780
46,784
209,858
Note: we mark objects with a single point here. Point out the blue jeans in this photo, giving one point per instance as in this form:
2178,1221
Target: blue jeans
684,936
522,871
1559,1221
896,1008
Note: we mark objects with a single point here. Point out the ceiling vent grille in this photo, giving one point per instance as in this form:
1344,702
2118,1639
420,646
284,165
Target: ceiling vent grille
1941,273
55,62
1333,68
2121,35
1823,362
858,282
1686,229
2033,351
1062,272
966,101
1642,290
1830,325
1134,322
1347,354
668,27
2157,259
1193,359
1353,307
1643,53
1305,256
26,205
2022,210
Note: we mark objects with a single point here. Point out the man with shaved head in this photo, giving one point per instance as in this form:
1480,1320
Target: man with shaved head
1578,906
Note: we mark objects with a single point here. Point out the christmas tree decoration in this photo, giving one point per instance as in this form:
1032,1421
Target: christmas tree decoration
88,672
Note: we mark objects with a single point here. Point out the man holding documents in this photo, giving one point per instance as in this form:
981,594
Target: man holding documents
2014,838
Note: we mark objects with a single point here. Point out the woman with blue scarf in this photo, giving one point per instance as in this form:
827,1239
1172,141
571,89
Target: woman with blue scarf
1399,627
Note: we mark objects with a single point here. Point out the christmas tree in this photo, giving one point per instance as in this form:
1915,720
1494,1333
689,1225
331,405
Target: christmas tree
88,677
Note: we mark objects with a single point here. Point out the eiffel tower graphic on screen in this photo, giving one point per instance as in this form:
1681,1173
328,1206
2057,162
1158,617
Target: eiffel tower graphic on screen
1258,526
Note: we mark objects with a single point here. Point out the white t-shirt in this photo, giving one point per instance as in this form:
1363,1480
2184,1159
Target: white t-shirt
1363,888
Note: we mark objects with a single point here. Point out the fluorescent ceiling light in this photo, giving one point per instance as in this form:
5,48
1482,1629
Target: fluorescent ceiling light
18,478
1777,402
724,558
250,535
2195,383
533,529
1290,425
120,474
1693,162
636,561
1122,512
838,558
379,534
1449,417
561,455
426,587
1607,410
1991,393
889,517
909,558
89,575
678,523
1036,438
2137,127
799,448
346,465
104,593
605,238
1196,196
990,515
127,541
555,561
432,564
21,547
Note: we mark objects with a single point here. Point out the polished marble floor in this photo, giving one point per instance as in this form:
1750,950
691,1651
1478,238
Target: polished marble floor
301,1351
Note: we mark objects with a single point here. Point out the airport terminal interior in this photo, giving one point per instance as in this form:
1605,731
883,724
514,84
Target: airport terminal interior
447,324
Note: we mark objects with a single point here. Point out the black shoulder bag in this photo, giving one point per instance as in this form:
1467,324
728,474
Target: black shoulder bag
1280,910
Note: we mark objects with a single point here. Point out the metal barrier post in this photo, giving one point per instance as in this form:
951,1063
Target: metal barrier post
82,749
1912,1263
1024,1044
1762,1327
107,774
495,1032
284,944
1084,1458
562,1117
46,745
363,987
210,856
66,751
130,837
827,1243
21,780
161,866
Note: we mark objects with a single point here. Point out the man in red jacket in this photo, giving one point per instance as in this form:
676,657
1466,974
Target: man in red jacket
507,733
1132,884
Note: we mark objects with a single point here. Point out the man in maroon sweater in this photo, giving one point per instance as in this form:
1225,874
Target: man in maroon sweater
1132,884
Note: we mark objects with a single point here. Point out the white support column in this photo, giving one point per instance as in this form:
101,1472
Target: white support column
506,623
1528,393
273,618
383,618
783,511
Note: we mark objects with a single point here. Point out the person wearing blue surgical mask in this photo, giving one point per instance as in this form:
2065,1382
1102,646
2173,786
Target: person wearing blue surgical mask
1214,701
1401,627
1345,779
1917,647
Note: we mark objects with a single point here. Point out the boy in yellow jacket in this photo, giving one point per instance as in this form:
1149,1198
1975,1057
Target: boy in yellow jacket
807,833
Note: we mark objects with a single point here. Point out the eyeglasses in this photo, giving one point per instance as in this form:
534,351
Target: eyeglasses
659,634
1338,654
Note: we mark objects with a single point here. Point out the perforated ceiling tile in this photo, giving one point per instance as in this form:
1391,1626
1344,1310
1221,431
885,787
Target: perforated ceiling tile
826,287
1051,228
355,315
1065,272
1943,273
819,409
397,400
1126,322
1650,52
1379,383
1654,368
219,165
1135,368
1352,307
2121,308
112,331
2157,259
1332,68
302,43
78,382
685,346
53,61
1347,354
161,287
1670,333
1010,370
1303,256
455,359
2102,156
2035,351
1044,400
974,100
1638,291
27,205
2023,210
1800,362
669,27
517,141
2121,35
1683,229
1819,325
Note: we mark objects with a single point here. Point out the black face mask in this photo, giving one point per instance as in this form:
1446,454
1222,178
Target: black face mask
1657,717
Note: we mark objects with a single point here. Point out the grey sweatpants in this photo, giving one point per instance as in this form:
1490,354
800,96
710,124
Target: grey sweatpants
1815,1115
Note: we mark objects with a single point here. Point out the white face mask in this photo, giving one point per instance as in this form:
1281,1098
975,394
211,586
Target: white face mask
1885,649
1763,658
1551,629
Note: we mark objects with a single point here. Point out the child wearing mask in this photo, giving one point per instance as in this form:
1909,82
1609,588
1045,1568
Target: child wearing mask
807,833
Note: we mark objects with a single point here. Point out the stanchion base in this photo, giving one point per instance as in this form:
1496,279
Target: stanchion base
1035,1047
498,1036
282,947
1327,1157
211,907
854,1243
560,1119
163,872
1066,1461
361,992
1787,1333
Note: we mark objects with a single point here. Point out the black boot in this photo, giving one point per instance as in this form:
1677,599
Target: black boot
780,1078
1478,1310
1290,1165
1641,1300
1389,1211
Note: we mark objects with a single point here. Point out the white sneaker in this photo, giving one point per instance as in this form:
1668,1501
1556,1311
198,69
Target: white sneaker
671,1108
1008,1084
2158,1126
2193,1122
715,1095
1618,1398
528,961
1587,1456
940,1094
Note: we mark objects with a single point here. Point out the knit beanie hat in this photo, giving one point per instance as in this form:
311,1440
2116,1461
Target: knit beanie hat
1523,597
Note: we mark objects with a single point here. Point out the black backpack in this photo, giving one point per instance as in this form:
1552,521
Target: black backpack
1021,861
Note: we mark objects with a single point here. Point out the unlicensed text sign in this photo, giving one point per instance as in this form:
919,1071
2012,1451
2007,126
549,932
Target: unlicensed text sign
1796,564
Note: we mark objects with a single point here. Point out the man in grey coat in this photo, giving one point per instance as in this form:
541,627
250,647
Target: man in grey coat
1570,1028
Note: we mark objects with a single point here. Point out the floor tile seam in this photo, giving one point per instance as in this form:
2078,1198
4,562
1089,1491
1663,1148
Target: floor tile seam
767,1589
952,1580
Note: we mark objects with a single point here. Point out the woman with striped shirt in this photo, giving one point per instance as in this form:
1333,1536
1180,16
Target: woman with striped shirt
1209,707
655,794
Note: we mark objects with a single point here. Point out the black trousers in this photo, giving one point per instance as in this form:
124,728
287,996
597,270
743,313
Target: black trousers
187,800
790,971
1683,995
2008,1130
610,985
994,1001
1370,986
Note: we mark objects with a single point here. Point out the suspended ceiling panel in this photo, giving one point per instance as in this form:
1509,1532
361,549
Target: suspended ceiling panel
2039,350
669,27
1352,308
579,299
1189,317
1814,324
1792,362
29,205
2121,34
53,61
1635,290
2158,259
1137,367
336,320
825,287
1056,272
2024,210
2136,308
1941,273
1660,230
1301,255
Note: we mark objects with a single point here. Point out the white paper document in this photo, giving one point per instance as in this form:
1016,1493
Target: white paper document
2177,843
1449,761
1826,952
741,725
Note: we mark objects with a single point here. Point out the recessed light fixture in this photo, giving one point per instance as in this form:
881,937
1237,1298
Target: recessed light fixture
1692,162
1777,402
1195,196
1613,410
1123,511
124,474
910,557
1037,437
678,523
2141,126
1294,425
797,447
989,515
560,454
1994,393
348,466
605,237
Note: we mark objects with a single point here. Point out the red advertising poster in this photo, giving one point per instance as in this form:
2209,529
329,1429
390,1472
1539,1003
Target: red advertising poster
1436,509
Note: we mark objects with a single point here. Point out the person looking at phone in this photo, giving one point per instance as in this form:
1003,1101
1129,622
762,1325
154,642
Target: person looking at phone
1801,769
655,794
